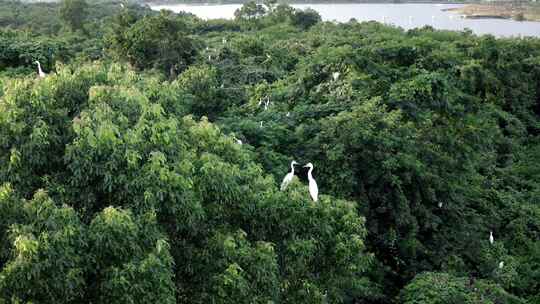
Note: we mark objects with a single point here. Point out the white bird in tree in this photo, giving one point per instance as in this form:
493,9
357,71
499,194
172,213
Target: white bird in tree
313,189
288,178
238,141
501,265
440,204
491,239
336,75
261,124
40,71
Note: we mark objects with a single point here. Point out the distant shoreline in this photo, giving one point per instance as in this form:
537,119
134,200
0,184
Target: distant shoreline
172,2
501,11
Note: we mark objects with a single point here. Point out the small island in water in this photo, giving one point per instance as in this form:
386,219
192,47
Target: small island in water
518,11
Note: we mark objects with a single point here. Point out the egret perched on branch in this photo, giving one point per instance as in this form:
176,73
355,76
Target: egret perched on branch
313,189
288,178
491,239
501,265
40,71
336,75
440,204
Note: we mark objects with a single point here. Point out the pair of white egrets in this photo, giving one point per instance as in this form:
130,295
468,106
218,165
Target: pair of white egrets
313,188
491,241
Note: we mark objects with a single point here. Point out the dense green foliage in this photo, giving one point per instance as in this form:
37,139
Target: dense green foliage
121,179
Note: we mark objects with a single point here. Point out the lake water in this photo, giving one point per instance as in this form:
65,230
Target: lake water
406,16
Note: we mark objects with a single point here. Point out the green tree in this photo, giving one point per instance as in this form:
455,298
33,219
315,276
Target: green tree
49,252
250,10
442,288
159,42
73,13
305,19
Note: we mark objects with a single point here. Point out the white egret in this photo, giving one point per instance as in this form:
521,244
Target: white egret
501,265
288,178
491,239
40,71
440,204
288,114
313,189
336,75
238,141
261,124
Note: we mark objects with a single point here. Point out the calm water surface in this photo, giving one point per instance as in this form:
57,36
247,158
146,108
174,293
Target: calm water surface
406,16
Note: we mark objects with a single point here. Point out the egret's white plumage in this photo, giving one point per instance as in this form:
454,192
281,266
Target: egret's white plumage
440,204
288,114
288,178
491,239
313,189
40,71
261,124
336,75
501,265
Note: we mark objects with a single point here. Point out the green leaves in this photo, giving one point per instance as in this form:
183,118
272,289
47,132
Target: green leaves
159,42
48,259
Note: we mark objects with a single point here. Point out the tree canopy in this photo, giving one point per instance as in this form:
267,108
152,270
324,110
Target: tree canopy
145,168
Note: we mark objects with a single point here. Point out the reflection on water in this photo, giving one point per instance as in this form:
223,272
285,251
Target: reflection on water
406,16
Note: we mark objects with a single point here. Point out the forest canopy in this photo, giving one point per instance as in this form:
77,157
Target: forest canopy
144,164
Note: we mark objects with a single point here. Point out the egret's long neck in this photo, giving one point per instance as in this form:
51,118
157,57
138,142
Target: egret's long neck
292,168
39,67
309,173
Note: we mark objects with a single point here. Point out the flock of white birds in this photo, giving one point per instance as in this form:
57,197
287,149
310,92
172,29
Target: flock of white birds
313,188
